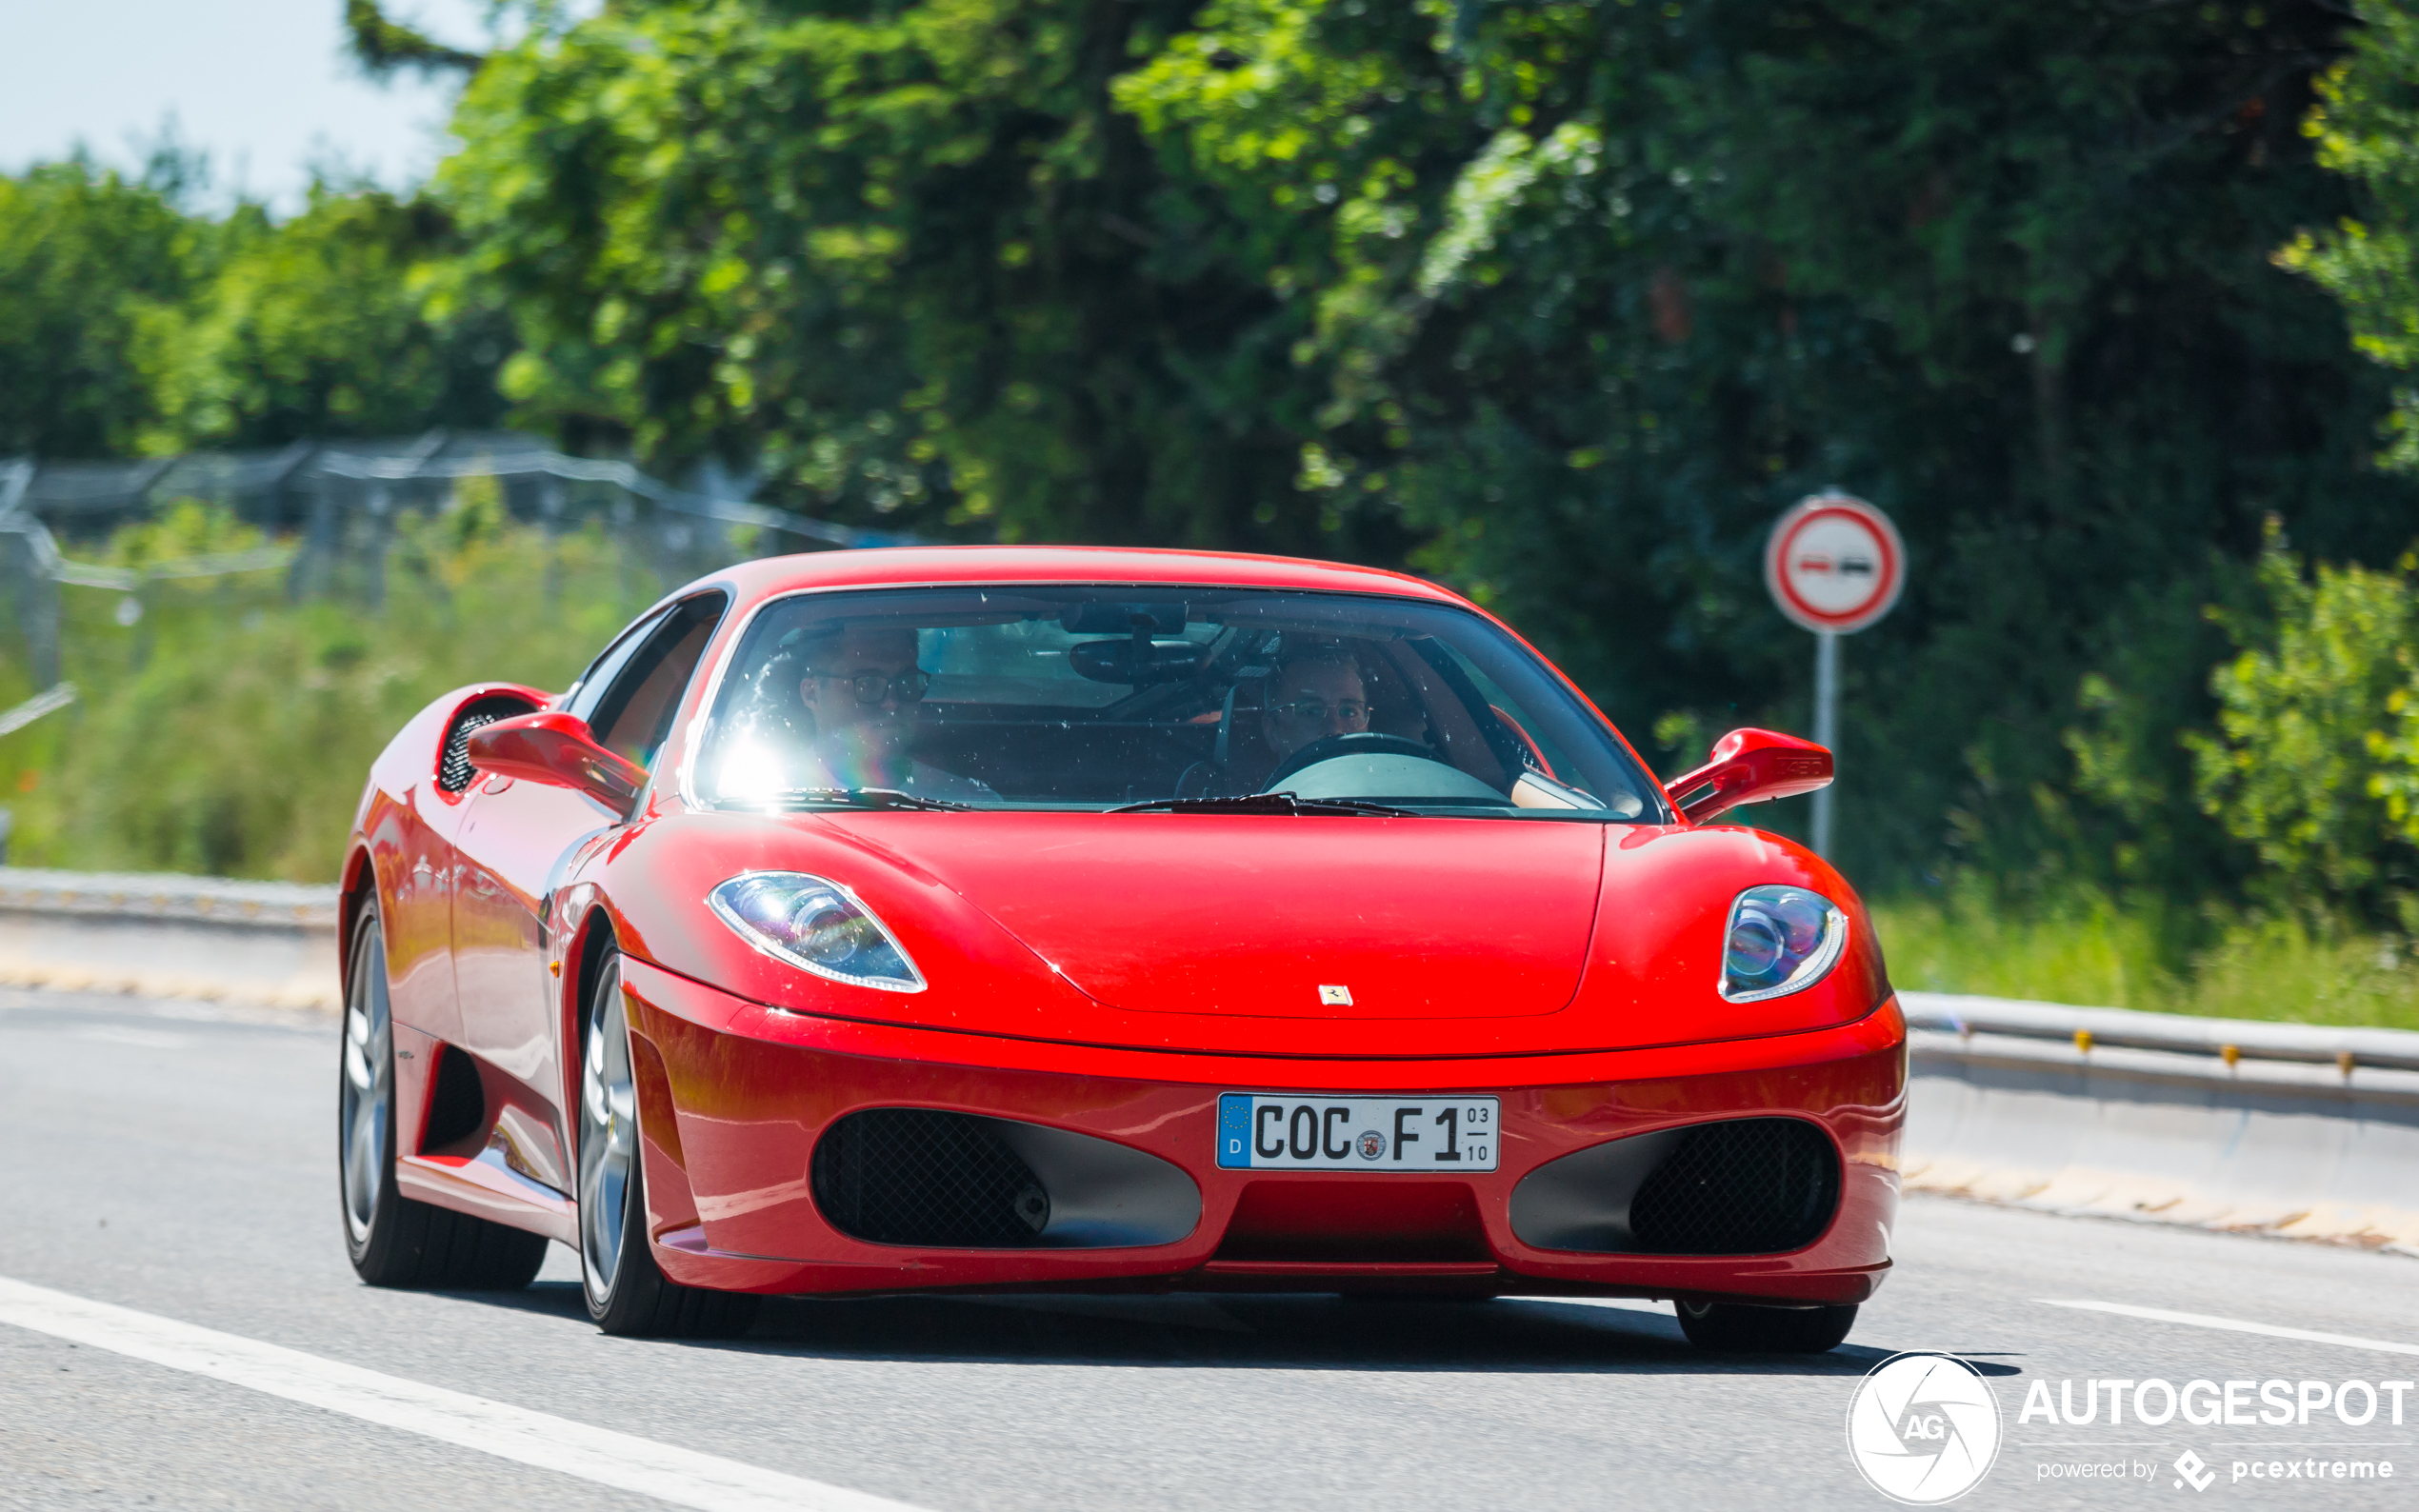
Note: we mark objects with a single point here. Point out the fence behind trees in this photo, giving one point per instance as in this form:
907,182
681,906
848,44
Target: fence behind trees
329,513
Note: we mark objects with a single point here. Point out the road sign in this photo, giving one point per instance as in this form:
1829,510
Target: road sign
1834,564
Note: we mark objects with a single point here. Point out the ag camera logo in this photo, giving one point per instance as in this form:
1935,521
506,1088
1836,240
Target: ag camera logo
1923,1429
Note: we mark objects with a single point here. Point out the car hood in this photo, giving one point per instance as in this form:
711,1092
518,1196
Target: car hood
1221,933
1323,917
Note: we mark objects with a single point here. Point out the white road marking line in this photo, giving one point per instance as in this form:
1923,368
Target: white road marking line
682,1477
1623,1303
2202,1320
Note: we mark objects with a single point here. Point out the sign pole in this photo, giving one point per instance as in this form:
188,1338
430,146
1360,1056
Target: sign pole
1826,727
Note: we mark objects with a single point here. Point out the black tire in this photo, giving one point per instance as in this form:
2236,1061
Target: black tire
394,1240
1734,1328
628,1294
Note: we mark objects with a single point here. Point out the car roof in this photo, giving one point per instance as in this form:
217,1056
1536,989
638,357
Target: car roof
907,565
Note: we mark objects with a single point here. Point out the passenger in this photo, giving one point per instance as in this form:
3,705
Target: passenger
860,685
1311,697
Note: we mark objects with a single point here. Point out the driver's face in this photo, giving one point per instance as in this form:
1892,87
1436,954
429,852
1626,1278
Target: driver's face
1311,700
828,686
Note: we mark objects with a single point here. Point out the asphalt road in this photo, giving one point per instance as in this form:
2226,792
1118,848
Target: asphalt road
165,1161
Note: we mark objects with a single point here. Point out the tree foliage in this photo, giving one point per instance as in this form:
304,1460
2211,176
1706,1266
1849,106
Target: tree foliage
384,46
317,328
902,259
132,324
87,258
2302,764
2366,127
2002,269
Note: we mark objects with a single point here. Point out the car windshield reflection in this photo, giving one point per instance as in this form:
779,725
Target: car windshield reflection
1160,699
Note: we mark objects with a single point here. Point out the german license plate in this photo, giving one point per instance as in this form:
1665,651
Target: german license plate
1294,1132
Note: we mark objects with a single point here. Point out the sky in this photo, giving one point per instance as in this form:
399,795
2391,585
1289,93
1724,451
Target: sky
262,85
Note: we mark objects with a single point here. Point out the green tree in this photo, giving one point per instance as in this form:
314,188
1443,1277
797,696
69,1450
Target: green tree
86,256
907,262
2366,124
2002,270
316,327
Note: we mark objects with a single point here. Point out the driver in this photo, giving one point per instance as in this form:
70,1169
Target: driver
1313,696
860,685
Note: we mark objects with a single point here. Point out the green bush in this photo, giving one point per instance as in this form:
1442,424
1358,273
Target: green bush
2302,763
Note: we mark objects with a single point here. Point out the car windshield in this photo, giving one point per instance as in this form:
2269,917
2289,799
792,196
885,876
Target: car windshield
1172,698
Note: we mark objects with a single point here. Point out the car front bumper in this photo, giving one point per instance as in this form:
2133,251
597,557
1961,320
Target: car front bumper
734,1096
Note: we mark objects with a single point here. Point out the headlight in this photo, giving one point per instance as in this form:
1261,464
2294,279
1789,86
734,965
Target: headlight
1781,940
816,924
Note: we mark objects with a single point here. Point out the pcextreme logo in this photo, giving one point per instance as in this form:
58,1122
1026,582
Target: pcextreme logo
1923,1429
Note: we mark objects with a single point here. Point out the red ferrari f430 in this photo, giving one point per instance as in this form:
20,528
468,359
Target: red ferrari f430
1065,919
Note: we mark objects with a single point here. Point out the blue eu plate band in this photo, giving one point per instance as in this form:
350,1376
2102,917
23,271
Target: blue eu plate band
1234,1130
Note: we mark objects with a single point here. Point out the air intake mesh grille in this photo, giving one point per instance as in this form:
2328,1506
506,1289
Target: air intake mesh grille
914,1176
1742,1186
454,765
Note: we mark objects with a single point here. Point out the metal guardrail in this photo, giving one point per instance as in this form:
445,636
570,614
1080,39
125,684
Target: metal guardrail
2229,1041
166,896
2289,1129
248,947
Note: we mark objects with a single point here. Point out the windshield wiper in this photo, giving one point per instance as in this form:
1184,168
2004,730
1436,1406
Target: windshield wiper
1279,802
864,798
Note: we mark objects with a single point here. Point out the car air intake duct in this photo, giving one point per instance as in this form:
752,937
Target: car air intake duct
1735,1187
939,1179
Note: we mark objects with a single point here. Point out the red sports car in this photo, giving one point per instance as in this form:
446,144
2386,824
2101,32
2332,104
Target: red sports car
1004,918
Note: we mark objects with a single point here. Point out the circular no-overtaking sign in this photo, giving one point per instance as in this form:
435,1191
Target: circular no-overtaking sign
1834,563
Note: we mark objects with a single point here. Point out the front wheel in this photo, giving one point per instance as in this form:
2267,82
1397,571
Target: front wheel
393,1240
1734,1328
628,1293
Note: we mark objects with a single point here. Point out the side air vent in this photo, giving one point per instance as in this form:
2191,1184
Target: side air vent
457,1105
453,762
958,1180
1736,1187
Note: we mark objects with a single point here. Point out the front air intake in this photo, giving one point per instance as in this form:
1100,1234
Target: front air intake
1740,1186
1735,1187
917,1176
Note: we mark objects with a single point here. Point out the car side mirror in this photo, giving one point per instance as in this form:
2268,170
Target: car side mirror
1745,766
558,749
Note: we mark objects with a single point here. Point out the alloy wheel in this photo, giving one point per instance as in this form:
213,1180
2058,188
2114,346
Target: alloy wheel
366,1095
609,1135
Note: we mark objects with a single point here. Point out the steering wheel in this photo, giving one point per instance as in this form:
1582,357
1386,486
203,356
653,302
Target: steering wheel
1351,743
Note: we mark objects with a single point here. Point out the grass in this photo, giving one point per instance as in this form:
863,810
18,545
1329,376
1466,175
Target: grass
2095,952
227,731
